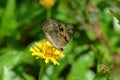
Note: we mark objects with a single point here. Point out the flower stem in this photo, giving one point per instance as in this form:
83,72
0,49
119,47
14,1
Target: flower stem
42,70
48,13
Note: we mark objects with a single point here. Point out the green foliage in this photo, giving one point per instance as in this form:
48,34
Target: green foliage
93,53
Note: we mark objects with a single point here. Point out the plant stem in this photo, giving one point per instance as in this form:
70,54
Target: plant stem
42,70
48,13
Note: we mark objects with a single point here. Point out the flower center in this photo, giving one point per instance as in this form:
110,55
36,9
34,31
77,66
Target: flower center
49,52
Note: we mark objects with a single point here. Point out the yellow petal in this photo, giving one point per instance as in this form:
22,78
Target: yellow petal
54,61
46,60
39,44
57,51
61,56
34,54
34,49
47,3
45,50
48,44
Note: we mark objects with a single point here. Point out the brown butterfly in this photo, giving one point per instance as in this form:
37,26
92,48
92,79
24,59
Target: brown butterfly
58,33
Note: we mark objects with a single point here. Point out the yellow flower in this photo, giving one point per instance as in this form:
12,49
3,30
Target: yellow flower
47,3
45,50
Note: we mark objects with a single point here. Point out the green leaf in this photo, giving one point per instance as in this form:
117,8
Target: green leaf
8,21
10,59
28,77
80,69
9,74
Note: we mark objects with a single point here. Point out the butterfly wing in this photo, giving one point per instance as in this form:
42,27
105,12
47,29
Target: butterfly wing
58,33
65,33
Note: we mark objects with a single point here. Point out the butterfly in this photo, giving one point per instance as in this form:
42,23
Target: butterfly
57,32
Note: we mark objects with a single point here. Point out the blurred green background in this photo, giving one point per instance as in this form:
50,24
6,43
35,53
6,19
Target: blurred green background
93,53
